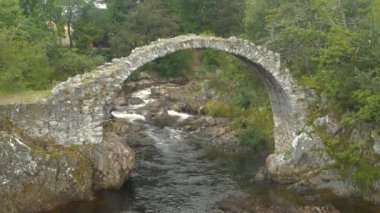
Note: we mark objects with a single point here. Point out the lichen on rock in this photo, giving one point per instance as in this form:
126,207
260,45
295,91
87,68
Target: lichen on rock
33,178
37,174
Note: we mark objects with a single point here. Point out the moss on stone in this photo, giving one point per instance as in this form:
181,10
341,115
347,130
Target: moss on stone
354,159
6,124
365,176
28,187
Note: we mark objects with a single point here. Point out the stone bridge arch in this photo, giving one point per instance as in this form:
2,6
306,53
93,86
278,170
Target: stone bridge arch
81,101
75,111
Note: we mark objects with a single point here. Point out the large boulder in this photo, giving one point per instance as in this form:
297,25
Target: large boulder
37,174
112,161
33,178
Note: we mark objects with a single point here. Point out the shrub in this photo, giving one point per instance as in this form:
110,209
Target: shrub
253,137
172,65
217,108
23,66
67,63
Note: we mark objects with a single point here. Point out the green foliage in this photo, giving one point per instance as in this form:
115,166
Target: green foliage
136,24
365,175
135,76
254,138
255,19
42,11
36,26
344,151
69,63
222,17
241,95
369,106
10,13
22,65
353,158
91,28
243,99
217,108
172,65
331,46
30,59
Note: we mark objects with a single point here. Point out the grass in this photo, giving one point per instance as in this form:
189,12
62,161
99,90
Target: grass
23,97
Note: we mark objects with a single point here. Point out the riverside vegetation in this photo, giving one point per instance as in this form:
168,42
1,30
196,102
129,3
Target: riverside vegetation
330,46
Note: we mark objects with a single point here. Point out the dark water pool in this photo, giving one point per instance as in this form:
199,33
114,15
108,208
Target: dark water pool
175,173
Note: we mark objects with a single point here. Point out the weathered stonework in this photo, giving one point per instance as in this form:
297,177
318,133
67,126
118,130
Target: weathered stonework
76,110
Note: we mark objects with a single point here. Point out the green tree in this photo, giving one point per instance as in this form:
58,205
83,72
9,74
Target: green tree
255,19
91,28
23,62
42,10
221,17
71,10
136,24
23,66
332,46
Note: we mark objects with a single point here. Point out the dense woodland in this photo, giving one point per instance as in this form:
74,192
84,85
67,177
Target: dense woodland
332,46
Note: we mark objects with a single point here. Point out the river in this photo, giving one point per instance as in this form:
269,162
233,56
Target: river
176,172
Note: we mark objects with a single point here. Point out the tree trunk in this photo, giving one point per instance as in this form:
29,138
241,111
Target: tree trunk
69,35
68,23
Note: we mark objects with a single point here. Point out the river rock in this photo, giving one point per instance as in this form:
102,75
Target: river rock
38,174
145,75
327,123
33,178
119,101
184,107
113,161
158,91
308,154
308,149
210,120
261,174
135,101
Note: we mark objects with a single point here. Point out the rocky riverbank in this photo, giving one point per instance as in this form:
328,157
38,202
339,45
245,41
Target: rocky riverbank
38,174
180,103
185,99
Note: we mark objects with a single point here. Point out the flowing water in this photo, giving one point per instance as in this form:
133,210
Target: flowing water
175,172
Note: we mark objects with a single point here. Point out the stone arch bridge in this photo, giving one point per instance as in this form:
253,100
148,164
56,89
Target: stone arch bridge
76,109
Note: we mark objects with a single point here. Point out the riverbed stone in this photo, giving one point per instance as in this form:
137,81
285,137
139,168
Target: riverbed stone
210,120
135,101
